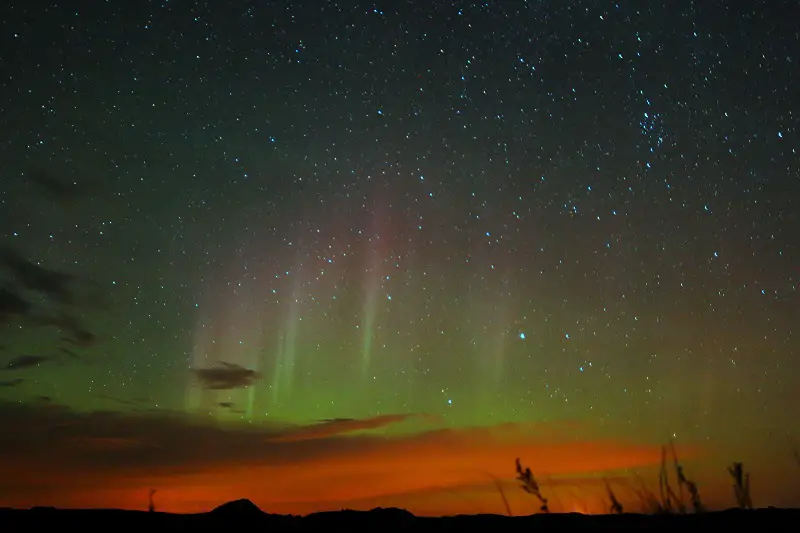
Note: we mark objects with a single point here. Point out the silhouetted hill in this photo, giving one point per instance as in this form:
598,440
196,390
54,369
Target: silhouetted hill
239,508
243,513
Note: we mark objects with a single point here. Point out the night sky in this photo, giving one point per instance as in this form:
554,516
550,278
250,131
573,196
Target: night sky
348,254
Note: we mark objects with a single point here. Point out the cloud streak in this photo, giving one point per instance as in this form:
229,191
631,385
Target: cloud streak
76,333
227,376
59,189
340,426
61,457
48,284
33,277
22,362
12,304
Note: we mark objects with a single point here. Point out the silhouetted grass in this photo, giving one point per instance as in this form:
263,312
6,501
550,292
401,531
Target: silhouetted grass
499,485
151,505
684,482
529,485
741,485
648,501
616,506
670,498
667,500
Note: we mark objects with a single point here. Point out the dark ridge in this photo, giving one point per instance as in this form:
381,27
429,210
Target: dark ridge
243,513
348,517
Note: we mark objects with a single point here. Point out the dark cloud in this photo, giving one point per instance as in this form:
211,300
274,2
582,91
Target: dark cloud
53,284
114,399
33,277
12,304
26,361
50,433
76,333
11,383
82,338
69,353
338,426
226,376
60,189
132,402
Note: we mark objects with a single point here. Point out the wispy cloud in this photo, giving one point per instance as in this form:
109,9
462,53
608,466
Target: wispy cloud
59,188
75,333
226,376
340,426
26,361
12,304
69,353
53,287
283,467
37,278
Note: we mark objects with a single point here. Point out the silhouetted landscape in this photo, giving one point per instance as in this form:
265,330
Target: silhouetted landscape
471,265
667,510
243,513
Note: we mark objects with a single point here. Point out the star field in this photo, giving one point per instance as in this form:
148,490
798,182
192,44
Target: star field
487,212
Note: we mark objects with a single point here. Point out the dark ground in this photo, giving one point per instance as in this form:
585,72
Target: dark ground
242,513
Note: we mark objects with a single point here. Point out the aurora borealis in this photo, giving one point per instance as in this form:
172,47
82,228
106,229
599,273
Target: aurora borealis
348,254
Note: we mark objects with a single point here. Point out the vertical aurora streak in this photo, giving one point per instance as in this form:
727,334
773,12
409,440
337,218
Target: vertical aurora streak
368,322
290,348
373,275
277,370
287,352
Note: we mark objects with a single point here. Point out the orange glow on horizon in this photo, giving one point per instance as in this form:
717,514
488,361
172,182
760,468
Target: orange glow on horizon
438,472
